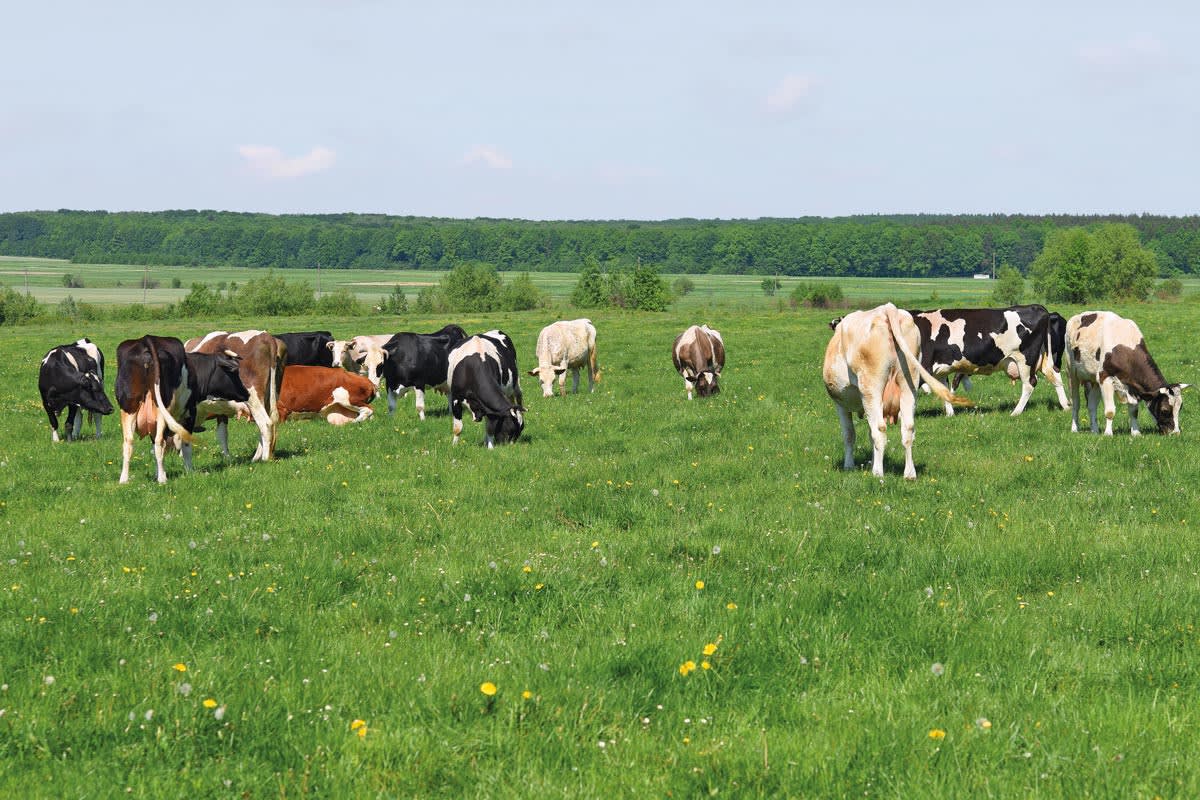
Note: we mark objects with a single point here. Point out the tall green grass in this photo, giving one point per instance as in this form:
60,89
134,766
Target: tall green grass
1019,621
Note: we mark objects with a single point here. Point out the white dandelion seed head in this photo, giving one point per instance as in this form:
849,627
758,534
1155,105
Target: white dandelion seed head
937,669
185,689
929,591
219,713
153,616
149,715
716,551
48,680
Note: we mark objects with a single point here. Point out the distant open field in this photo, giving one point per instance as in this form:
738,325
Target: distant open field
668,598
114,284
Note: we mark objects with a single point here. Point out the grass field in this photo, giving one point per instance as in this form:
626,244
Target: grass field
1020,621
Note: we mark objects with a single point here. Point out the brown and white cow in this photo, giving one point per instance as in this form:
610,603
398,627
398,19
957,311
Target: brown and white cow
699,356
158,386
362,354
1107,354
262,361
331,393
562,346
866,351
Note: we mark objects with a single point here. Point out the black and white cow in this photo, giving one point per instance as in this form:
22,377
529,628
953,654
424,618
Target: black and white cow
483,375
158,388
1107,354
308,349
72,377
980,341
418,361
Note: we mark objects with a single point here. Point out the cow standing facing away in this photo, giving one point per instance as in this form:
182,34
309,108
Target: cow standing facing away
310,348
483,375
1107,354
699,356
337,396
867,349
418,361
72,377
980,341
562,346
262,359
158,387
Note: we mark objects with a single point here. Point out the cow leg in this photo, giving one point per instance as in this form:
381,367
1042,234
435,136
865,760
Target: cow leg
575,380
53,423
878,434
185,450
1055,378
456,413
689,386
1074,399
908,429
419,402
128,423
223,435
562,384
1026,387
947,406
74,422
395,393
847,437
1133,411
160,446
1093,400
266,429
1110,405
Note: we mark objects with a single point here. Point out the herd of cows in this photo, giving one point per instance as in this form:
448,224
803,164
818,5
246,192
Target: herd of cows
874,364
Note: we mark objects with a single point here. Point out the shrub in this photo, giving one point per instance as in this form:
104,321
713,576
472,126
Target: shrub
273,296
176,283
591,291
1170,289
471,286
72,281
339,303
647,290
1081,266
67,308
394,303
683,285
521,295
16,308
1010,286
771,285
200,302
816,295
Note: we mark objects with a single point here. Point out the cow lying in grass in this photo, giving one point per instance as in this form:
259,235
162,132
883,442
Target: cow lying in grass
330,393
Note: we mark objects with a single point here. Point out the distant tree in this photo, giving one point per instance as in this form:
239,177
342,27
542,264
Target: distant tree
1010,286
770,285
341,302
519,294
647,289
683,285
1081,266
816,295
471,286
272,296
590,291
1129,269
72,281
200,302
396,302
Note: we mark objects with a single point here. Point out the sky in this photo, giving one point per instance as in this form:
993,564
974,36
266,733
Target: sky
606,110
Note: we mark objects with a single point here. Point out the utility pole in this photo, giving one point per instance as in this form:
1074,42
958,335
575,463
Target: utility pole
318,280
145,282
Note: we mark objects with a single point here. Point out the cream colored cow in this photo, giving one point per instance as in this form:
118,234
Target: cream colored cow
562,346
867,349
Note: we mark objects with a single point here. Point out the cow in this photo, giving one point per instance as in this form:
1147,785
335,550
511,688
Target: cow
483,375
1107,354
310,348
337,396
699,357
419,361
980,341
865,352
262,359
362,354
158,388
72,378
566,345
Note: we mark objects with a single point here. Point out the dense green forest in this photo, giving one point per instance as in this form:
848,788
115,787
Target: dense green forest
869,246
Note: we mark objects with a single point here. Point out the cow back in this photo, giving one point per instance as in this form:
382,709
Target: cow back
144,362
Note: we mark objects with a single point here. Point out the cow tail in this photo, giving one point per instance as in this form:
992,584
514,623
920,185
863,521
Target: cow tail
939,388
592,352
172,423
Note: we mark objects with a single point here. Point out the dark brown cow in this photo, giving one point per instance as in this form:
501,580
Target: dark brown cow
335,395
262,359
699,356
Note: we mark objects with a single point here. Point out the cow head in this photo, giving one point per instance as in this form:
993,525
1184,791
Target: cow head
546,375
706,383
340,348
91,394
224,380
506,426
1165,406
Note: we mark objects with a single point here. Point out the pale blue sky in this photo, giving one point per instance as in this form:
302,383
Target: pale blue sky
611,110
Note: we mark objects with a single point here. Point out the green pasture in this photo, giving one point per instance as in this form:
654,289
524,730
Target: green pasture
670,598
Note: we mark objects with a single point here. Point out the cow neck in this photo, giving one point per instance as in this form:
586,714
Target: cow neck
1146,378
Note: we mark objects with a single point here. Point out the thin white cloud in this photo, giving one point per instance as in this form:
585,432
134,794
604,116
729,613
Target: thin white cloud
789,92
271,162
1136,55
488,155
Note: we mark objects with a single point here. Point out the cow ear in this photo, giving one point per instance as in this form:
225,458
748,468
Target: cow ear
1183,386
232,355
533,372
329,345
559,370
1165,390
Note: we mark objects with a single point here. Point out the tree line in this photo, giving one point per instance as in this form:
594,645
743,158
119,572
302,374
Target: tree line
862,246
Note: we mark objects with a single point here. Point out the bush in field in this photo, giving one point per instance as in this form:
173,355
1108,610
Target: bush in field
1170,289
200,302
148,283
72,281
816,295
683,285
339,303
591,291
520,294
176,283
1010,286
429,301
640,288
471,286
273,296
771,285
394,303
1081,266
16,308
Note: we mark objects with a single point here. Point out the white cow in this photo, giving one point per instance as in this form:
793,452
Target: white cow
566,345
867,349
1107,354
362,354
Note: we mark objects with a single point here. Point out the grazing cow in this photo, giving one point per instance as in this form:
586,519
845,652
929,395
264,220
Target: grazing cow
72,377
362,354
866,351
262,359
699,356
418,361
1107,354
310,349
333,394
483,375
158,388
980,341
566,345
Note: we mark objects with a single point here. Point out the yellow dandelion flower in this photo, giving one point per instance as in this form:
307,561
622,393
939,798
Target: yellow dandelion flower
937,734
687,667
358,723
526,568
180,667
699,584
710,648
731,606
687,740
488,688
362,732
526,695
209,703
249,505
705,665
538,586
595,545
